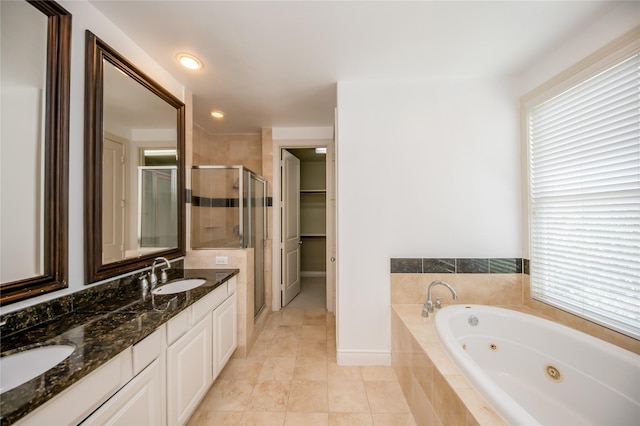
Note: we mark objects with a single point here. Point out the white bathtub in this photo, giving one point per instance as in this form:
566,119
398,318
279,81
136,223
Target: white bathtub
537,372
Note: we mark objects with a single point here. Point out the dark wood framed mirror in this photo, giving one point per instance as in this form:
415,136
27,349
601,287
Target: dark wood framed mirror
36,43
134,167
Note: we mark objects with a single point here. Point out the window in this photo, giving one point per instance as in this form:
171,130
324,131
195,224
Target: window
584,195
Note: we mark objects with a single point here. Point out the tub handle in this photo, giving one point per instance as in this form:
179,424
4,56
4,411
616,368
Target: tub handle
438,303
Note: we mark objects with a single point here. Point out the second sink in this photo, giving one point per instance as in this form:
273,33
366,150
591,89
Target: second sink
21,367
178,286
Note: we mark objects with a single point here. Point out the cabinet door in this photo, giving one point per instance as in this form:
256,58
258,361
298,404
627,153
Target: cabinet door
225,338
138,403
189,375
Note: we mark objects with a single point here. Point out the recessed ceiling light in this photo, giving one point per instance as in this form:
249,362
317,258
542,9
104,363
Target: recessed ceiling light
189,61
217,114
321,150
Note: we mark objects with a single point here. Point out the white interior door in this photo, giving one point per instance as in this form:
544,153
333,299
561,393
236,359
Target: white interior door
113,201
290,227
331,229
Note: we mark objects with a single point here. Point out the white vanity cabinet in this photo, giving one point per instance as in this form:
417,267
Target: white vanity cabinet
141,401
225,336
188,372
127,390
138,403
196,357
161,379
72,405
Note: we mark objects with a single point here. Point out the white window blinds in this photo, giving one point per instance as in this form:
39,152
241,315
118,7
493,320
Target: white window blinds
585,198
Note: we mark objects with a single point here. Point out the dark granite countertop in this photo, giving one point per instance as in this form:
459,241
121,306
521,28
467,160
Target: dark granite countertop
99,332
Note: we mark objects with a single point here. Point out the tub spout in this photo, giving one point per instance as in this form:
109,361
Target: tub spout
429,305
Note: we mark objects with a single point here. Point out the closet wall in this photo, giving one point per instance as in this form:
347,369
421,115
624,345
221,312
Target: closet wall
313,208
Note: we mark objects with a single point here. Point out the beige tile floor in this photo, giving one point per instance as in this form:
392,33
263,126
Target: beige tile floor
290,377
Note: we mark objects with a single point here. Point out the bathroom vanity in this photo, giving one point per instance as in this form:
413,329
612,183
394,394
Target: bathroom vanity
139,358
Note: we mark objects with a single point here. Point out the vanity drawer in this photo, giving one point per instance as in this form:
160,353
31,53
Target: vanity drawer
177,326
146,350
209,302
72,405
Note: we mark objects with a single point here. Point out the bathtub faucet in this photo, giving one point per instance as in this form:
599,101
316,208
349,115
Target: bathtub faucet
429,305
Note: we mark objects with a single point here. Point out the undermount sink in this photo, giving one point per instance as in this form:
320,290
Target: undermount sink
178,286
21,367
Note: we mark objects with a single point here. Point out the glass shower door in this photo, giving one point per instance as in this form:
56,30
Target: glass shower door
158,207
255,233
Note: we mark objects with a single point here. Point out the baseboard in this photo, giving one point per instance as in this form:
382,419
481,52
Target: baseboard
313,273
347,357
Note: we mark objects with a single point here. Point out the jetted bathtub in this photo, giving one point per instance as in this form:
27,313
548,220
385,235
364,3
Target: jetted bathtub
537,372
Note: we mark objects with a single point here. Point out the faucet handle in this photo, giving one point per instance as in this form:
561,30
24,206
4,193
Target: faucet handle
438,303
163,276
144,282
152,278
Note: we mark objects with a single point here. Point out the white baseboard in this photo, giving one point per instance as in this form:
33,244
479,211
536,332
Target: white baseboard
346,357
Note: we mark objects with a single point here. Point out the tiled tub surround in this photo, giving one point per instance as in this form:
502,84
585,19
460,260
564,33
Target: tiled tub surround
101,323
489,282
436,390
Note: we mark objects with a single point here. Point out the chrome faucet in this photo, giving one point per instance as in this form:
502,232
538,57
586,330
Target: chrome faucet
163,276
429,305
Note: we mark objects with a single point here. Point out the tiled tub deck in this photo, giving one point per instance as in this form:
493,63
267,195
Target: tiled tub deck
436,390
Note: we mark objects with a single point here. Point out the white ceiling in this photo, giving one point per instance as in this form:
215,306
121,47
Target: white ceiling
276,64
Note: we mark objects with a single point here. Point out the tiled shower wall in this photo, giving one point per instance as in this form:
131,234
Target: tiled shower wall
253,151
227,150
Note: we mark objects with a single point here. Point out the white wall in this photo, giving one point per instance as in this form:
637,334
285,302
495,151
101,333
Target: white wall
432,169
85,16
618,21
425,169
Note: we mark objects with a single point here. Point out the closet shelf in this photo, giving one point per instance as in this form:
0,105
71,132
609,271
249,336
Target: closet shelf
313,191
303,235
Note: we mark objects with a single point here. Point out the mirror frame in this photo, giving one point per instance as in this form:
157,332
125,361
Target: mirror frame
95,270
56,161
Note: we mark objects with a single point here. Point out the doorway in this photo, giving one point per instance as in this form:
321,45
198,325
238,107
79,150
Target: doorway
310,187
304,222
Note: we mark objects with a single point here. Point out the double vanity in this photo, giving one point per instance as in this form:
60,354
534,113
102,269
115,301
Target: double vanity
116,351
132,358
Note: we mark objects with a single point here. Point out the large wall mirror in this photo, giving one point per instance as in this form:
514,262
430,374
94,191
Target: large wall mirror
34,115
134,169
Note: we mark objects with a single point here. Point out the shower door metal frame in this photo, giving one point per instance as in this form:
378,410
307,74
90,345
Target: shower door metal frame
242,240
240,202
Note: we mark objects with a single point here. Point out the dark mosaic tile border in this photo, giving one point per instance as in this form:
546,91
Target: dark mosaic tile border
50,310
459,266
224,202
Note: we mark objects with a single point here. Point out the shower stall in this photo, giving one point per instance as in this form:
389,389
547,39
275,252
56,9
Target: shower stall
229,211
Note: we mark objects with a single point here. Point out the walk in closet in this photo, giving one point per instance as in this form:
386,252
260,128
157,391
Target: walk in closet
313,208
